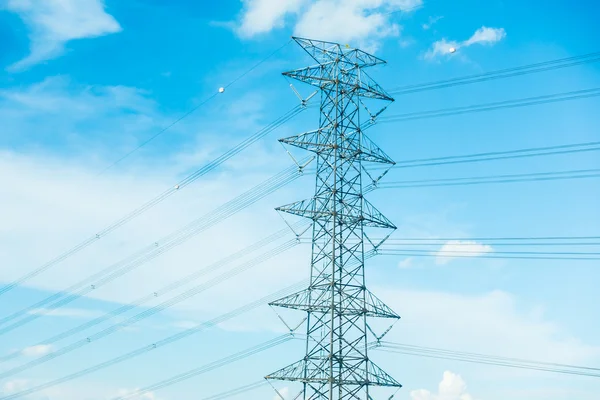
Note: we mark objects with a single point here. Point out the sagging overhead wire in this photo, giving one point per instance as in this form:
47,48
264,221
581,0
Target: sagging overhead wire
163,342
501,238
501,74
189,293
239,390
522,102
176,337
212,366
158,199
151,251
556,256
499,155
196,108
160,293
477,358
481,180
263,132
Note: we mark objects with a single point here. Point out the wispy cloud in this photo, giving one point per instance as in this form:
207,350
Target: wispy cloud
483,36
36,351
15,385
458,248
405,263
53,23
432,21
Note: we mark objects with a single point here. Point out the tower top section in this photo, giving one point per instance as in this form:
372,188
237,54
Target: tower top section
340,68
328,52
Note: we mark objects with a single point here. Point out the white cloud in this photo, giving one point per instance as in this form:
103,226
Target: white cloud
493,323
360,22
452,387
405,263
261,16
36,351
484,36
53,23
432,21
458,248
15,385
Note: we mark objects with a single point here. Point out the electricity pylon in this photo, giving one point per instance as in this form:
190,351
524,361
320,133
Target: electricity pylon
336,364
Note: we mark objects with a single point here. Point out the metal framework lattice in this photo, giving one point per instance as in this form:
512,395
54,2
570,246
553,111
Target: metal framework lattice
336,364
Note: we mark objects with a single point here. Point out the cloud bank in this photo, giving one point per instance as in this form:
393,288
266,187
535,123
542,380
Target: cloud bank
53,23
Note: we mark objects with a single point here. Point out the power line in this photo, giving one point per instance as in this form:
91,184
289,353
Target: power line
212,366
506,238
153,310
499,155
462,353
523,102
479,180
160,292
236,391
176,337
441,253
501,74
154,250
398,242
570,148
155,201
408,253
163,342
190,112
488,360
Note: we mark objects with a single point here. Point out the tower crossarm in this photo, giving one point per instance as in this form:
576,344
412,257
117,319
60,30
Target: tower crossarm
349,80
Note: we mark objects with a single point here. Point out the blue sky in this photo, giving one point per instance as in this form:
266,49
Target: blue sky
84,82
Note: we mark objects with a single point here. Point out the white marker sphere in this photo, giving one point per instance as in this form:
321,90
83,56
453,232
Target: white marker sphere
221,90
452,50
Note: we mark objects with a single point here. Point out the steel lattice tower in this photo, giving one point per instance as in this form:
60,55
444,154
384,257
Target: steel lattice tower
336,364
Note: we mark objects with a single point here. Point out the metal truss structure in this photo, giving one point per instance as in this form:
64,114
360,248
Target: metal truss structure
336,364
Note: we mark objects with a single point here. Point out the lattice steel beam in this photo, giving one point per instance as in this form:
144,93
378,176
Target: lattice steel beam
336,364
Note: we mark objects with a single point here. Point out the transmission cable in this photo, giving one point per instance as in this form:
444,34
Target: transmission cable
487,359
152,251
239,390
479,180
160,292
212,366
163,342
176,337
523,102
570,148
196,108
466,254
504,238
501,74
194,291
497,155
148,205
